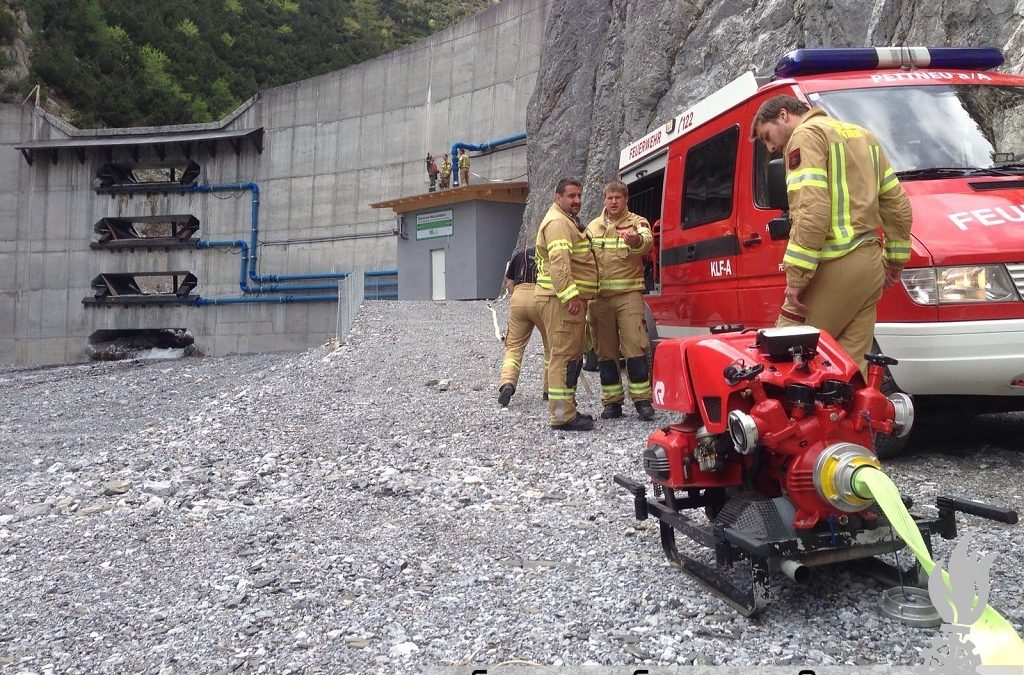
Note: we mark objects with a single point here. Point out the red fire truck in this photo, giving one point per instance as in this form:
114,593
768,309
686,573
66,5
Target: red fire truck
954,132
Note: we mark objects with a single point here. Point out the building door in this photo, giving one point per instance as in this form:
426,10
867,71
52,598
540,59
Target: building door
437,277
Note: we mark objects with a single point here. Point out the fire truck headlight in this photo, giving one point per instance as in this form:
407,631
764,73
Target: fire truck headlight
961,284
903,418
743,431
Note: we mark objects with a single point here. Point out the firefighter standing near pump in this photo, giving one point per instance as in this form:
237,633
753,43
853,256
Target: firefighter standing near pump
566,279
523,315
841,188
621,242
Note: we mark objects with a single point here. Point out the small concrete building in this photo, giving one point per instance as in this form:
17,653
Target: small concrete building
453,244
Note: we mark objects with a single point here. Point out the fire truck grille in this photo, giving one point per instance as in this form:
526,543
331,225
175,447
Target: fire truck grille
1017,272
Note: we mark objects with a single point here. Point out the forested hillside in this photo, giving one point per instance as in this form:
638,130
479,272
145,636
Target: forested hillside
152,62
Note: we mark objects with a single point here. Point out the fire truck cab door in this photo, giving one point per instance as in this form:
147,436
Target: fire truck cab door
760,280
698,232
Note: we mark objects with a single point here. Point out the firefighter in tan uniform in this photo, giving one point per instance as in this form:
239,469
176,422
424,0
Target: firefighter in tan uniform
621,242
523,316
566,279
841,190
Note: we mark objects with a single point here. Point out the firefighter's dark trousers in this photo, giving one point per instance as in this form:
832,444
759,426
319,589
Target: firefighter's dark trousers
523,316
620,332
565,340
842,300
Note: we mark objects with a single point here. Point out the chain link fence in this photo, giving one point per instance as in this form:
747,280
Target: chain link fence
350,296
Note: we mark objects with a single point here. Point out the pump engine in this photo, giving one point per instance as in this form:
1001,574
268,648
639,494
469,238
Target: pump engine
775,423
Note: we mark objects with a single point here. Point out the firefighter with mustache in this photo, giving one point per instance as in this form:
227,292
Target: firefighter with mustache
566,280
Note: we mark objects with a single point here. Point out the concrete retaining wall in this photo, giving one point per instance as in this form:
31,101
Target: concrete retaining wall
333,144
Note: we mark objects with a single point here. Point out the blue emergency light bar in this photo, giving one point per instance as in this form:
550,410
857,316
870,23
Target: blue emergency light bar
813,61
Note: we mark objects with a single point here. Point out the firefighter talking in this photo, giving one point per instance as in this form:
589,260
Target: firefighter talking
566,279
621,241
841,188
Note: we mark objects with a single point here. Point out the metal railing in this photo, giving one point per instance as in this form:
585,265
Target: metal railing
350,297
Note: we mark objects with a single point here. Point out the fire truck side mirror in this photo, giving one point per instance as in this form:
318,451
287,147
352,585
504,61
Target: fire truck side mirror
777,197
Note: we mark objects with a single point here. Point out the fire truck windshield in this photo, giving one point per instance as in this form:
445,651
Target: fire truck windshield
938,131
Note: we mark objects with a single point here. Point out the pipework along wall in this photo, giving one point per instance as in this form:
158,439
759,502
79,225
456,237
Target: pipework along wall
333,144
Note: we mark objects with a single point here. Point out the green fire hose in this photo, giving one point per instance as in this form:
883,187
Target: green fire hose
995,640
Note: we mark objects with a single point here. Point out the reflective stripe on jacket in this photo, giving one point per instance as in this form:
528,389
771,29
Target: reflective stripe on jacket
620,267
841,189
565,259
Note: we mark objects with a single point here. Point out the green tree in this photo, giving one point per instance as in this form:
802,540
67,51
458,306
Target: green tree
188,27
89,52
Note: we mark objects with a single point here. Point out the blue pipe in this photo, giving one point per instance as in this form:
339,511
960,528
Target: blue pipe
249,255
272,288
239,244
489,145
253,236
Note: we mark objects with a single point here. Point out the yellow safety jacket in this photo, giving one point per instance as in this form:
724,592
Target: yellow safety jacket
565,260
841,189
620,267
446,167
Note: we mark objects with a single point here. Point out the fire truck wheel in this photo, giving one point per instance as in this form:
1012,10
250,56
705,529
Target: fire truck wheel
887,447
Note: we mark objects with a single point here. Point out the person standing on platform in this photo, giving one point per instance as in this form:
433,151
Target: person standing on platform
463,167
446,172
432,172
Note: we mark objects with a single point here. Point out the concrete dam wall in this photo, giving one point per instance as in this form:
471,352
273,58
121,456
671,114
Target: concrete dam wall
319,152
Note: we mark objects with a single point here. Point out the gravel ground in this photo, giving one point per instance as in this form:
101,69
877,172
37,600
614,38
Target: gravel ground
372,509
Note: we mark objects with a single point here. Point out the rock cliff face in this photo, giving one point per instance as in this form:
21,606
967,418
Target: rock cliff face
612,70
14,66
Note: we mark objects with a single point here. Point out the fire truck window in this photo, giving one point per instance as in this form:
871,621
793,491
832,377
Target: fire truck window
761,159
709,177
645,196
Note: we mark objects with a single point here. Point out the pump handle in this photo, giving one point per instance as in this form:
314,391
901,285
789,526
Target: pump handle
735,373
980,509
880,359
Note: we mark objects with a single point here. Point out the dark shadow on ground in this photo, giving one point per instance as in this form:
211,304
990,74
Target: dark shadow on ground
949,433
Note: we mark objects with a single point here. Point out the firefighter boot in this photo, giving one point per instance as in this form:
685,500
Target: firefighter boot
645,410
612,411
505,394
578,423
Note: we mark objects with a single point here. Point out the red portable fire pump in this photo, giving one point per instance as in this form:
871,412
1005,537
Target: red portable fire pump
775,424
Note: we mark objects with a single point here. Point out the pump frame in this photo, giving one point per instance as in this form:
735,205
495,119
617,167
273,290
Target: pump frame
855,545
